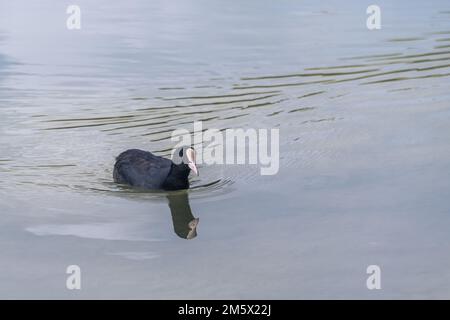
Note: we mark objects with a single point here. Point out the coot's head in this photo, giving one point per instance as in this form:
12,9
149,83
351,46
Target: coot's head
186,156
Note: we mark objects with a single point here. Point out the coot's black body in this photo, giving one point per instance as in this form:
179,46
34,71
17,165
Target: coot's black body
145,170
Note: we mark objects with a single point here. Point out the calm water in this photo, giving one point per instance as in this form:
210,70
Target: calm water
364,119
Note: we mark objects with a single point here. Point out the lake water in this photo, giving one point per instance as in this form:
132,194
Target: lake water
364,119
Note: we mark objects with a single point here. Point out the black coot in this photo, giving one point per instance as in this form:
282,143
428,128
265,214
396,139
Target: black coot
145,170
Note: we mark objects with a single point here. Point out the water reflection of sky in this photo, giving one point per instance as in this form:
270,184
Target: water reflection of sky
364,148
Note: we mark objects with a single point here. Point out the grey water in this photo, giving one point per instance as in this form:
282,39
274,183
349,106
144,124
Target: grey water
364,120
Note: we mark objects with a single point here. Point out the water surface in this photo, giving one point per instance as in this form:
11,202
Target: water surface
364,146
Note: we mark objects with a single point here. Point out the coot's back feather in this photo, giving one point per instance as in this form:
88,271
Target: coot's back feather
141,169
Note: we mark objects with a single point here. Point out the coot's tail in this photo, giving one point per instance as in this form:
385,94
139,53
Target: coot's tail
118,175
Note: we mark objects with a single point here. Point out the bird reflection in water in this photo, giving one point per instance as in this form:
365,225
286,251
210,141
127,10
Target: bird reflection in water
184,223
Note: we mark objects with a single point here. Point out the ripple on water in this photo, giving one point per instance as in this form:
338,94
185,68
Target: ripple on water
291,101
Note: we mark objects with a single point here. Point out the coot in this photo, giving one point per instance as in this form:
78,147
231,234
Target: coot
145,170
